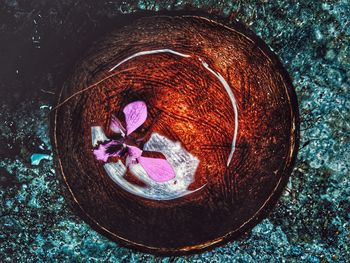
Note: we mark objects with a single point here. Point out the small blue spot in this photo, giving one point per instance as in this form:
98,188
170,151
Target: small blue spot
37,157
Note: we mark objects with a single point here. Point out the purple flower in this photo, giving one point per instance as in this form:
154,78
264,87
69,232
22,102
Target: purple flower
135,113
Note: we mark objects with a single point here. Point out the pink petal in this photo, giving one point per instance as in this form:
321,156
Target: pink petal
133,153
116,125
129,161
157,169
102,153
135,115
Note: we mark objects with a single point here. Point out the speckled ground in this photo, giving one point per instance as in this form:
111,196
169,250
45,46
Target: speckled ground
311,223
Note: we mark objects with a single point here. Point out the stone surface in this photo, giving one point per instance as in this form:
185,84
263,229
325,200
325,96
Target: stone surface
43,38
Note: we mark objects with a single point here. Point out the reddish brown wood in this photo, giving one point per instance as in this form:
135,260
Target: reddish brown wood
188,104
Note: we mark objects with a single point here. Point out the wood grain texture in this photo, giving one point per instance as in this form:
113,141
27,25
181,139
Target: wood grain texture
186,103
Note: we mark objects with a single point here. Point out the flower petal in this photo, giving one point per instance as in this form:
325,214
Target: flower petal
157,169
133,153
106,150
116,126
135,115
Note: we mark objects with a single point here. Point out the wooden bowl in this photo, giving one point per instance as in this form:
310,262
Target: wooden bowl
216,94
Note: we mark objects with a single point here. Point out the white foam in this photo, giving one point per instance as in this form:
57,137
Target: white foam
97,135
184,164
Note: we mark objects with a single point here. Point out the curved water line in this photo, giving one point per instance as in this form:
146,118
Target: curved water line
234,105
149,52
